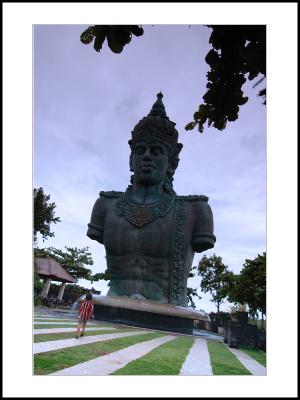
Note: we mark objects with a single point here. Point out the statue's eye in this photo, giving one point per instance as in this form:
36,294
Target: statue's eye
157,150
139,150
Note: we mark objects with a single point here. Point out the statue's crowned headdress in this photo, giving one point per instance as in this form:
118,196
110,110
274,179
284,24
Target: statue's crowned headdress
157,126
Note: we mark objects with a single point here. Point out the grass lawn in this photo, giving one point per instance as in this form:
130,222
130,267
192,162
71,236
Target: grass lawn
166,359
223,361
69,335
258,355
46,363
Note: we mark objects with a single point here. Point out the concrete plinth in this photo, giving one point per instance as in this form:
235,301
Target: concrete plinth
146,314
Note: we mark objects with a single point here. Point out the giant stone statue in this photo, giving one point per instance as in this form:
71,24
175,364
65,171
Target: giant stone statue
150,233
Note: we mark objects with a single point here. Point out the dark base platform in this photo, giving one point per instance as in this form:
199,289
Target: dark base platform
144,319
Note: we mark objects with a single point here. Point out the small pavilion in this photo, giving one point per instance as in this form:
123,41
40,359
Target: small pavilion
50,270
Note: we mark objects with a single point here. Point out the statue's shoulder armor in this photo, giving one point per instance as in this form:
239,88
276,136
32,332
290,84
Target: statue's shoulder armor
193,198
111,194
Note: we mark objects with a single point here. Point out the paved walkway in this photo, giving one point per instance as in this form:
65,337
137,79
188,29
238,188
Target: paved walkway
43,316
55,323
37,319
61,344
207,335
61,330
197,361
106,365
249,363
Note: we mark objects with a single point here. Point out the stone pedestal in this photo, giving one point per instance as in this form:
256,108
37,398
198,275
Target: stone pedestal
146,314
242,335
239,333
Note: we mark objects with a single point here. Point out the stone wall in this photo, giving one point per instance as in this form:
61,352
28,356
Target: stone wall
237,331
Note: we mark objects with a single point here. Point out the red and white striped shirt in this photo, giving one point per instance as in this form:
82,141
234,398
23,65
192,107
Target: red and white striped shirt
86,310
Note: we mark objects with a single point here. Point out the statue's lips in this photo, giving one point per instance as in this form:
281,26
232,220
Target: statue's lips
147,167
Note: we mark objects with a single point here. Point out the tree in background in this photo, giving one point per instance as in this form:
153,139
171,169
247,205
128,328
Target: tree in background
218,319
250,285
100,276
190,294
37,283
216,278
237,307
238,54
44,214
73,260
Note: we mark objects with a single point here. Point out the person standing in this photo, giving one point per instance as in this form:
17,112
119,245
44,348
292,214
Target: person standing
86,310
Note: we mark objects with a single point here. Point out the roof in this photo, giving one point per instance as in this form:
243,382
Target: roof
49,268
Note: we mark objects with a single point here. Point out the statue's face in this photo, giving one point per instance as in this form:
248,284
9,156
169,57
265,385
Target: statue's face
150,162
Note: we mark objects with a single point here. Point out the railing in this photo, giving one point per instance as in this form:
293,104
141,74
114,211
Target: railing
54,302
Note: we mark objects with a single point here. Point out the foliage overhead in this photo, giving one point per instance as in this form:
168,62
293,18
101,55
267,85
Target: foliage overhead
117,36
238,54
44,214
250,285
216,278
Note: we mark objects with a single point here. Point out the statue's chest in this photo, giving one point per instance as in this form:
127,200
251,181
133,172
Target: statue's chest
151,239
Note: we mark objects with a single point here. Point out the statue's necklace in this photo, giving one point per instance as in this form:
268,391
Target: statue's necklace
140,214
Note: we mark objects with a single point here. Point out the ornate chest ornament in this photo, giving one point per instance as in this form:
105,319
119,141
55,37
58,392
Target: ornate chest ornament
141,214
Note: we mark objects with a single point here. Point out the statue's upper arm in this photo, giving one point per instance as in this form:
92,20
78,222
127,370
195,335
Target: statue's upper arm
203,237
96,225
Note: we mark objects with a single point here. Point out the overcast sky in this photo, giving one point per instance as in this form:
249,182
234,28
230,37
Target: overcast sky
85,107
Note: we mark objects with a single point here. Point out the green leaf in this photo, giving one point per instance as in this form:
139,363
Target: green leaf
88,35
190,126
100,33
212,57
137,30
112,41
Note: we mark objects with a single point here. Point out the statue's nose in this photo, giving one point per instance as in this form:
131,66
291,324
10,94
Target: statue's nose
147,155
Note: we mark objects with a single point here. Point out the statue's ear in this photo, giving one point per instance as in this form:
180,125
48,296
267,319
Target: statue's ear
173,164
130,163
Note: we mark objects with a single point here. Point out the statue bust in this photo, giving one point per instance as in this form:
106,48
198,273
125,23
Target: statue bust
150,234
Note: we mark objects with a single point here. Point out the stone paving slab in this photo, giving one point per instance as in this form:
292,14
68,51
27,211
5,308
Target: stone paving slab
43,347
207,335
249,363
197,361
43,315
55,323
39,319
106,365
62,330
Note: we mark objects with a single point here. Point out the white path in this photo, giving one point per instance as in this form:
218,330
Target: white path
55,323
106,365
252,365
46,316
60,344
61,330
37,319
197,361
